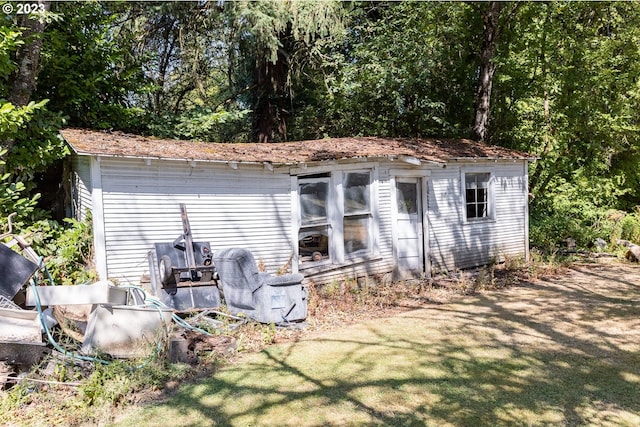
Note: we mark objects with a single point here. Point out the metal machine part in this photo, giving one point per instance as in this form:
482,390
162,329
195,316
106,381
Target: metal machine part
182,272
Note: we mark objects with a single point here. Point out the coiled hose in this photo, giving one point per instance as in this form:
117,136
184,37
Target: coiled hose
146,300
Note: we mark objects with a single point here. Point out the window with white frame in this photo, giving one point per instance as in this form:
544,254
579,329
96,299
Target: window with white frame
477,197
315,231
335,220
357,212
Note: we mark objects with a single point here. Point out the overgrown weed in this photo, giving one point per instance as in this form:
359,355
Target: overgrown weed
510,272
81,394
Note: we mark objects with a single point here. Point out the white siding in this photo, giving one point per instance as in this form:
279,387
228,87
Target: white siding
385,238
455,243
244,208
252,207
81,187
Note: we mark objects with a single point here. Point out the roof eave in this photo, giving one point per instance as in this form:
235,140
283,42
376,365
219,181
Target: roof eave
179,159
406,159
493,158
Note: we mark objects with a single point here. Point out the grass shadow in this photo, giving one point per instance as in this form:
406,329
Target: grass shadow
546,353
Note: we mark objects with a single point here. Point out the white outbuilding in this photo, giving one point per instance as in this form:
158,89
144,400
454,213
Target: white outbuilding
330,209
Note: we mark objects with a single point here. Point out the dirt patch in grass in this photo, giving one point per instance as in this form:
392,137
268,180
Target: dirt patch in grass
591,304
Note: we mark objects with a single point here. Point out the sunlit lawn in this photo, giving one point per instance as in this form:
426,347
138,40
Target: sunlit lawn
550,353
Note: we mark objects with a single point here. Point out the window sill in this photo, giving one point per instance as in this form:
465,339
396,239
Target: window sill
325,268
479,221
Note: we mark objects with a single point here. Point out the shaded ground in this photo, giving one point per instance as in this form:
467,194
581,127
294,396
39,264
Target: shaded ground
560,350
496,347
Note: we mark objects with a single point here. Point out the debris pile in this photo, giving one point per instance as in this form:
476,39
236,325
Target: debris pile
90,323
170,318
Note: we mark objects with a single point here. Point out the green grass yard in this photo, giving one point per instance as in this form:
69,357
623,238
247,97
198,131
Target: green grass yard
556,352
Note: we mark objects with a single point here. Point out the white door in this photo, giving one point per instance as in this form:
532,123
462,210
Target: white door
409,243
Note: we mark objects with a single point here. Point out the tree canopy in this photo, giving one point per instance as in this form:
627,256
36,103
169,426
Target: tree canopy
560,80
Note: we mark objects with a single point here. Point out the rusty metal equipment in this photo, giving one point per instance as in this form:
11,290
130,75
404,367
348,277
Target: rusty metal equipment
182,272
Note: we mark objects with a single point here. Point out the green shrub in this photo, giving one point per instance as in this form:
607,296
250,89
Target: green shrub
581,210
625,226
73,260
67,249
115,383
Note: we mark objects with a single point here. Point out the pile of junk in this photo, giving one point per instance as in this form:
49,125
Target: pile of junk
194,297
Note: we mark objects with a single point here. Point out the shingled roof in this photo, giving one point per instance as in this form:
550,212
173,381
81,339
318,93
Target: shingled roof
88,142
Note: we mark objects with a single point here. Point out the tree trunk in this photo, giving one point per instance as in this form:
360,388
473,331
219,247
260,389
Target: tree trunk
270,112
23,80
27,58
487,70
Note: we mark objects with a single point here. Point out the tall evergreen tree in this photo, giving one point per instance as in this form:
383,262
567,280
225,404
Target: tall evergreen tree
278,39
